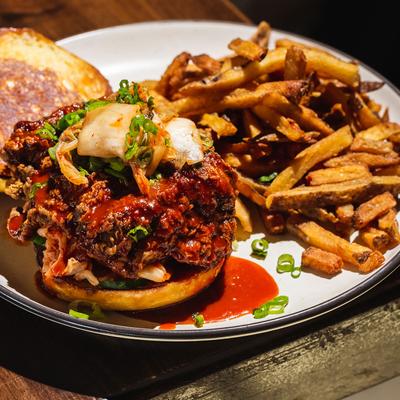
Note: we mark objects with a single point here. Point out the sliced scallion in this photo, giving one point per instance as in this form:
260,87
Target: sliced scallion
259,248
198,320
138,233
274,306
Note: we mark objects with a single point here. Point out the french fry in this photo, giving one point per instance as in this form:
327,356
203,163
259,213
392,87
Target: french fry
248,165
323,63
319,214
321,261
262,35
338,174
288,43
373,208
345,213
366,117
221,126
247,49
249,191
375,239
359,256
295,64
380,131
238,98
173,75
394,170
311,156
305,117
388,223
366,86
372,146
333,194
243,215
372,160
286,127
206,64
252,125
274,223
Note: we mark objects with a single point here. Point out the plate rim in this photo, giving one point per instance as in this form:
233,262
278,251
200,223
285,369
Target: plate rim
266,325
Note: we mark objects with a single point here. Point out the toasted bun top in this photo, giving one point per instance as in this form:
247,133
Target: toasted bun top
37,77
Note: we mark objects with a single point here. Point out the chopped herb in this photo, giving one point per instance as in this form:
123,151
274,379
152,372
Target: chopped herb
35,187
39,241
52,152
296,272
259,248
137,233
285,263
274,306
93,104
47,132
124,94
77,314
150,101
70,119
198,320
116,164
115,174
267,178
122,284
83,171
155,177
85,309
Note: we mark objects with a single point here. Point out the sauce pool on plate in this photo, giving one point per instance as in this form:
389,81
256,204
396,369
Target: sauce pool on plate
242,286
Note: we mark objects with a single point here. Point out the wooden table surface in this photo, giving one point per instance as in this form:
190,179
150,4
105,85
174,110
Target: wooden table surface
34,350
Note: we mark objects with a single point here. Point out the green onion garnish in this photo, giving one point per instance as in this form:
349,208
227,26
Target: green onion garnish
198,320
285,263
85,310
52,152
267,178
259,248
35,187
121,284
83,171
93,104
296,272
116,164
39,241
274,306
115,174
70,119
47,132
125,96
77,314
137,233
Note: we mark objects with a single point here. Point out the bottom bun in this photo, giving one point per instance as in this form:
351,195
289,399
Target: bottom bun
138,299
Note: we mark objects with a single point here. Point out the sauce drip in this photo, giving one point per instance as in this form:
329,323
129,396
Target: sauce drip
242,286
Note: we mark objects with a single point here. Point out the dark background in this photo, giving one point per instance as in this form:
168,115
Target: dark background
369,31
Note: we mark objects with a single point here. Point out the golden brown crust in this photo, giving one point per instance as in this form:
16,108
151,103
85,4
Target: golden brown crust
139,299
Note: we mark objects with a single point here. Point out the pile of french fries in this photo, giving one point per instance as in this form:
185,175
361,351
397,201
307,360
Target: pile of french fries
315,154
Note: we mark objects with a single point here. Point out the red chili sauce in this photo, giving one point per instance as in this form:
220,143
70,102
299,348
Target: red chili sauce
241,286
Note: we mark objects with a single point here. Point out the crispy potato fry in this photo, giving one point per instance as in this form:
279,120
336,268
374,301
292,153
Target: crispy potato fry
274,223
243,215
333,194
375,239
252,125
394,170
321,261
248,165
295,64
238,98
372,209
372,160
206,64
345,213
248,190
380,131
388,223
247,49
372,146
262,35
221,126
366,86
173,75
366,117
323,63
310,157
288,43
305,117
319,214
359,256
286,127
338,174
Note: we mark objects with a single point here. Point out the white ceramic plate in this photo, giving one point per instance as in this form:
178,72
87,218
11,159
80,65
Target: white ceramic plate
142,51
